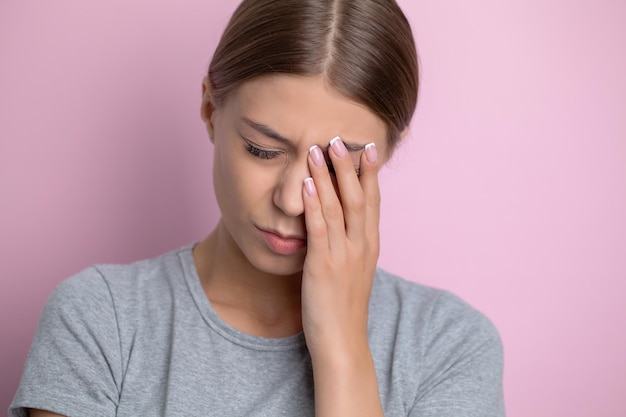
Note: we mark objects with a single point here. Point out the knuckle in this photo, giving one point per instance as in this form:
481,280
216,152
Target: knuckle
333,211
316,233
316,229
356,201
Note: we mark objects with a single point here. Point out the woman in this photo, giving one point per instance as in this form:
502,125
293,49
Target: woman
280,311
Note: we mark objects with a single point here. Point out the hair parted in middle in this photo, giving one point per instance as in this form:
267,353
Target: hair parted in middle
363,48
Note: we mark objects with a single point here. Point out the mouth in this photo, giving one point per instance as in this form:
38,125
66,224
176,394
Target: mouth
282,244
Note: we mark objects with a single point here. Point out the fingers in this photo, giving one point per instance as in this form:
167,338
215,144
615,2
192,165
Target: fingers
369,183
327,209
360,196
317,233
354,212
351,194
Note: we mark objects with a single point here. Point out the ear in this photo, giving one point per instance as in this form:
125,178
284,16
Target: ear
404,133
207,108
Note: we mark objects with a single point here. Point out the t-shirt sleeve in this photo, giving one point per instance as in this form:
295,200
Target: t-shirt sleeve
463,362
74,365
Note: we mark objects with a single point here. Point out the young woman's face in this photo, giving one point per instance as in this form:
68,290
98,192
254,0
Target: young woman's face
262,135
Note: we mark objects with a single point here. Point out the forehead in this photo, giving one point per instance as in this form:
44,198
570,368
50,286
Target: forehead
305,108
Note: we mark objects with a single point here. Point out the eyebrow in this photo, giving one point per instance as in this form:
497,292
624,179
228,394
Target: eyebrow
269,132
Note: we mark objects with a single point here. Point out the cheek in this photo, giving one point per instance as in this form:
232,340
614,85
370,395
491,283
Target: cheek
242,180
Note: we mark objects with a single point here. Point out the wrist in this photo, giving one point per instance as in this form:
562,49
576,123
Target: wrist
341,356
338,348
346,383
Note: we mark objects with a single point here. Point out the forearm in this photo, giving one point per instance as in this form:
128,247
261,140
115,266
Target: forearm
346,384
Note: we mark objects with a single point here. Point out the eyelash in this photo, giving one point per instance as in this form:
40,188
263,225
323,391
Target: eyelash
267,154
261,153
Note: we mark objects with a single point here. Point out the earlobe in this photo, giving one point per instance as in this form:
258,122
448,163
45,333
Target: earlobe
207,107
404,133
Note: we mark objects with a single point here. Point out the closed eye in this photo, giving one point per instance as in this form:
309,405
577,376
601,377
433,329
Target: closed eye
261,153
269,154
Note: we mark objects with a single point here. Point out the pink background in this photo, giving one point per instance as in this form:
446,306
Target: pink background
510,191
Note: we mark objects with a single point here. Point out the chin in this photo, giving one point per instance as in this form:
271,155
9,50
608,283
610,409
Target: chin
283,266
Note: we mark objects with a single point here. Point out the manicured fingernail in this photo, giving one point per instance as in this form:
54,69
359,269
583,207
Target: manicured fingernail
340,149
316,155
371,153
309,186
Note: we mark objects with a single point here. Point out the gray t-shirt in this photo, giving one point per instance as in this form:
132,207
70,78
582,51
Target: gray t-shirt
143,340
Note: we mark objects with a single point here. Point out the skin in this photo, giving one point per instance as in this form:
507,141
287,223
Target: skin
324,288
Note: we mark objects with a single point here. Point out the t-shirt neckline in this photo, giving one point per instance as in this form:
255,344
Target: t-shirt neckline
215,322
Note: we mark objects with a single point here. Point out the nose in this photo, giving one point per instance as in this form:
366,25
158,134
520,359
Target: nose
288,193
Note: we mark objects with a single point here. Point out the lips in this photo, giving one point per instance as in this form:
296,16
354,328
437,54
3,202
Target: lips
282,244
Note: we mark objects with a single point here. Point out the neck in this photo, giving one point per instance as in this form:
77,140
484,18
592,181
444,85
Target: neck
246,298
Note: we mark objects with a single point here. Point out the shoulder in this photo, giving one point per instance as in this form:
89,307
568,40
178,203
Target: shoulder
111,280
87,331
144,273
117,290
440,305
447,353
436,320
83,295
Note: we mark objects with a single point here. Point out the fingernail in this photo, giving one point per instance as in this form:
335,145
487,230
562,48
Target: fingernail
309,186
340,149
371,153
316,155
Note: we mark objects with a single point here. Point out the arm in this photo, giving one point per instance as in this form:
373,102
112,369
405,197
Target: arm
342,235
74,363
